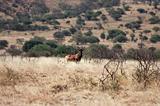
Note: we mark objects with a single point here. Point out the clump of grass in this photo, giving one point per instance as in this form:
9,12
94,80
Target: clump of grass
10,77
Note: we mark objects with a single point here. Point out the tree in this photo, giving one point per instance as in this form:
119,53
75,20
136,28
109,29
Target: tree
155,38
116,14
141,10
103,36
58,35
29,44
73,30
63,50
97,51
154,20
3,44
14,51
132,37
39,7
115,32
120,39
133,25
156,29
117,47
40,50
89,33
51,43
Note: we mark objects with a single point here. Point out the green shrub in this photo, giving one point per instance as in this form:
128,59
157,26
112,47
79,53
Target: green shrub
66,33
144,38
133,25
132,37
103,36
91,15
117,47
154,20
121,11
97,51
157,53
141,10
147,31
89,33
29,44
53,22
51,43
115,32
23,18
39,7
40,50
156,29
126,7
14,51
58,35
73,30
89,39
155,38
63,50
80,21
120,38
3,44
83,39
116,14
37,38
130,54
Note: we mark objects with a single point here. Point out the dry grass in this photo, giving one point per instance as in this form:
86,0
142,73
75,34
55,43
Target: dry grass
53,82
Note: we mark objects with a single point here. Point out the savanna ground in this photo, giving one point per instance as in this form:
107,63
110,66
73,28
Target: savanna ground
54,82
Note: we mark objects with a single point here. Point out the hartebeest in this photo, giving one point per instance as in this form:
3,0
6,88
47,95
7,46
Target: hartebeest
75,57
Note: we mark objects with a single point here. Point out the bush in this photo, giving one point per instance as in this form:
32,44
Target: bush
156,29
120,38
58,35
83,39
53,22
117,47
3,44
37,38
157,53
39,7
63,50
40,50
73,30
147,31
51,43
144,38
115,32
133,25
80,21
141,10
103,36
131,53
154,20
155,38
14,51
116,14
89,33
126,7
89,39
29,44
97,51
66,33
132,37
90,15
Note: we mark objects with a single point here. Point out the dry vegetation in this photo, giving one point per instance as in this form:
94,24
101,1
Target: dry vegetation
53,82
